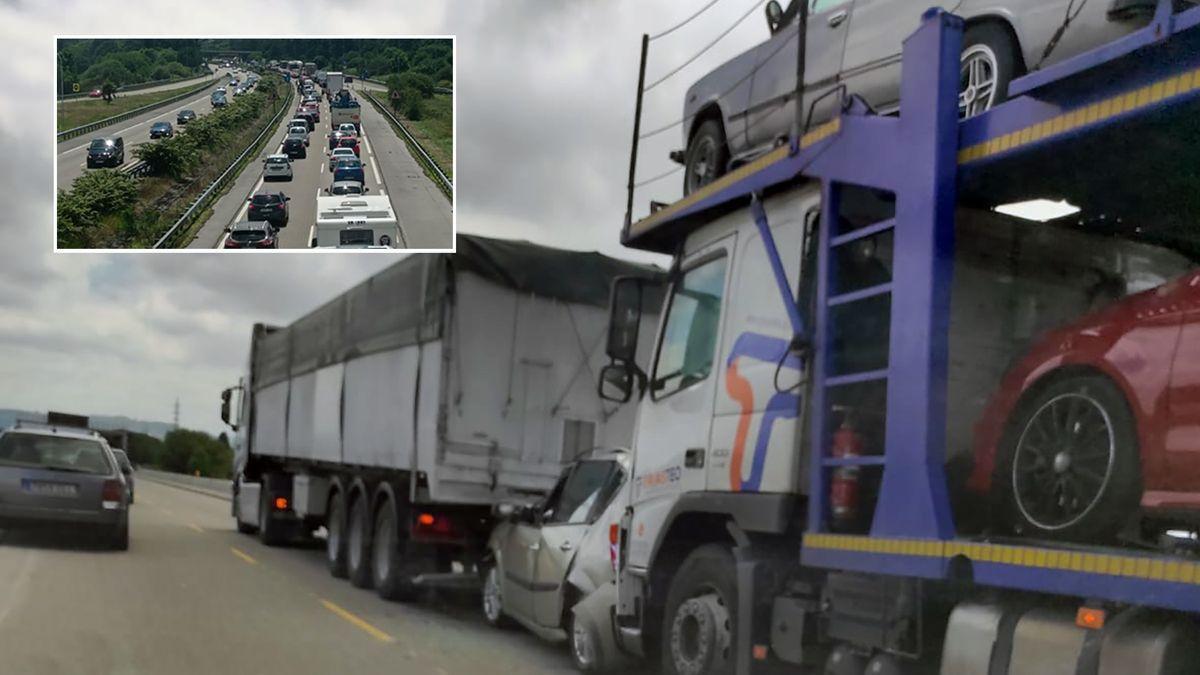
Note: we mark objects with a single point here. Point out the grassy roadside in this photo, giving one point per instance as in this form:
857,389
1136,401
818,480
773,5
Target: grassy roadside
435,130
106,210
93,110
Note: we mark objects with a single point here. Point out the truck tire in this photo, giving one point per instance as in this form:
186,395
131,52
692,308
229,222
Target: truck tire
1049,487
242,526
392,580
698,631
270,530
358,543
335,538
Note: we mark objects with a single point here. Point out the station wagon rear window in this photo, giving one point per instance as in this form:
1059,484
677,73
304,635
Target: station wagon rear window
78,455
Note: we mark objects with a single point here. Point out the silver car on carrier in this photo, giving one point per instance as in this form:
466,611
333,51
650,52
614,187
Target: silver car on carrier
61,478
747,105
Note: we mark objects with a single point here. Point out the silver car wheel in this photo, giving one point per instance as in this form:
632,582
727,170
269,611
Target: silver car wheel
492,601
582,645
703,166
977,81
1064,461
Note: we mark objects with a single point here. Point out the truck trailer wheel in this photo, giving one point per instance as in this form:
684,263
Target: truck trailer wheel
358,543
698,631
335,538
391,574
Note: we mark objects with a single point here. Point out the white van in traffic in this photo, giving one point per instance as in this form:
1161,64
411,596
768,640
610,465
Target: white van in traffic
356,222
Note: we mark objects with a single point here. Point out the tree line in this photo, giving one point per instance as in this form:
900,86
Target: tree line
181,451
94,62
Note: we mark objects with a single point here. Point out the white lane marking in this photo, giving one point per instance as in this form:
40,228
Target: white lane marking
375,169
322,167
367,144
18,587
312,234
221,244
382,193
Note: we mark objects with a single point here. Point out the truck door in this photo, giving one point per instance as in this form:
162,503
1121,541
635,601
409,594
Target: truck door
584,496
673,427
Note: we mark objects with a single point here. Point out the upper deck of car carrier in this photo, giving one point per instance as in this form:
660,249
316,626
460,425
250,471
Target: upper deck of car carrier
1116,128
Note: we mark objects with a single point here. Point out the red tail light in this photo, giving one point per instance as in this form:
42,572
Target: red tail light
614,538
433,526
111,492
229,243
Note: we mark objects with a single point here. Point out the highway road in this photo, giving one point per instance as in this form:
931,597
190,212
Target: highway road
424,213
147,90
72,153
193,596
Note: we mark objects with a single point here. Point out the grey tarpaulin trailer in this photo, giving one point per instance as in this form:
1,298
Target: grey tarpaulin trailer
444,384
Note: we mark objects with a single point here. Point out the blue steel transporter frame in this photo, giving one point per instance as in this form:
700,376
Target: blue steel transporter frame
930,160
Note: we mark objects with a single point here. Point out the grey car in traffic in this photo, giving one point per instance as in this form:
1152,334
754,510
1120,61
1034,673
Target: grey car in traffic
747,106
60,478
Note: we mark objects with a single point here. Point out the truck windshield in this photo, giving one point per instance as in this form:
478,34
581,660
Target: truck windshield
686,353
53,452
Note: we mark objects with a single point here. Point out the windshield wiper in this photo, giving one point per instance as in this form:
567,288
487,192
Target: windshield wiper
68,469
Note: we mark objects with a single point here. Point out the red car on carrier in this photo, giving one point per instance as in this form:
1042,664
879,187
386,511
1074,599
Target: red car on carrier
1099,421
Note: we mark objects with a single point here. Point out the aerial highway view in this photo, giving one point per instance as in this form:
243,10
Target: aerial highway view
273,147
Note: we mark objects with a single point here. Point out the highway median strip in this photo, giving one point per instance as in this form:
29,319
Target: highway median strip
358,622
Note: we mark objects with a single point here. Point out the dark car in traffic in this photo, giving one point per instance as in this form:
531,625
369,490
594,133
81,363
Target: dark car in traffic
185,116
309,117
269,206
295,147
55,478
252,234
106,152
126,468
161,130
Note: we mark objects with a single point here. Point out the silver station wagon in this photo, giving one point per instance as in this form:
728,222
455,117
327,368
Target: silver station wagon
60,478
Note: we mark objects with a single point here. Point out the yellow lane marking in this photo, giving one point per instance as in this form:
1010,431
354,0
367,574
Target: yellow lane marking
243,555
372,630
196,527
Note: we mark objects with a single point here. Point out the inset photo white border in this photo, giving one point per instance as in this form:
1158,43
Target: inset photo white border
418,205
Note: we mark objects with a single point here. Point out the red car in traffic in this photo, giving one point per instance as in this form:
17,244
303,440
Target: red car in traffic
1099,421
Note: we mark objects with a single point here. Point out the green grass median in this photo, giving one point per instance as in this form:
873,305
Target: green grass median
80,113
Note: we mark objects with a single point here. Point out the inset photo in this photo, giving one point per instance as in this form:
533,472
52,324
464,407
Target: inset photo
236,143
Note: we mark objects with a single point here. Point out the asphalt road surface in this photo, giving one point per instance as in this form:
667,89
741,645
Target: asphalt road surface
71,156
424,213
191,595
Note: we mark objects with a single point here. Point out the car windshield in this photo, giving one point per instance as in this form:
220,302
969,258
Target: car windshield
347,143
347,189
160,125
277,160
262,200
348,164
53,452
574,499
99,143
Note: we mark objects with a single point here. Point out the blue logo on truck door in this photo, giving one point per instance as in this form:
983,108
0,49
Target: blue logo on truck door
781,405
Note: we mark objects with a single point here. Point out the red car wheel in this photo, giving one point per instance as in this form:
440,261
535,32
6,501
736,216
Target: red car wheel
1069,466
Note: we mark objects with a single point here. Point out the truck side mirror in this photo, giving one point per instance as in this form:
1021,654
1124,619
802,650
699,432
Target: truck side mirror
774,16
625,316
226,396
616,382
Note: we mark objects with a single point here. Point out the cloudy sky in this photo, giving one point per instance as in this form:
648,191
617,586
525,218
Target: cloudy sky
545,112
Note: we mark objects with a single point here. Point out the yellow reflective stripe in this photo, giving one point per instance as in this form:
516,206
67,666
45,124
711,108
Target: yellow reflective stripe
1018,556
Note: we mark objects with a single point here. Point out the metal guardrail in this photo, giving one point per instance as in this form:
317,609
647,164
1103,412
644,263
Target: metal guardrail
132,87
79,131
185,220
137,169
444,183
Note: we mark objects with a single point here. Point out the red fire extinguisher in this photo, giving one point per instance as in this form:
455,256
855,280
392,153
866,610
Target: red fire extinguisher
845,482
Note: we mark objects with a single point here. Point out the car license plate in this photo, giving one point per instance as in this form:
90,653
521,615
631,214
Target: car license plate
48,489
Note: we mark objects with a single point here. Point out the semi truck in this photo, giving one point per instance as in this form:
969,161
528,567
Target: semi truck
861,444
345,109
398,414
333,84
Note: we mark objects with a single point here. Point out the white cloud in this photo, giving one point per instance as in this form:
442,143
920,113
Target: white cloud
545,103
